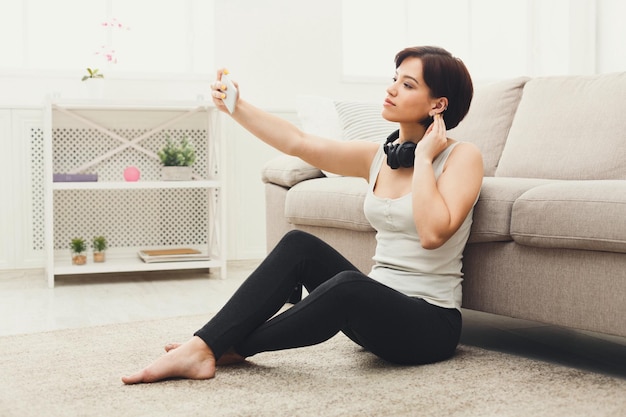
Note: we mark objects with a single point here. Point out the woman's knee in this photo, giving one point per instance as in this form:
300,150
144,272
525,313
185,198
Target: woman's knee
310,246
349,286
296,237
348,276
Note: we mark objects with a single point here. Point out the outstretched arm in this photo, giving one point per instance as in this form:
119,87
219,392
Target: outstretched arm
345,158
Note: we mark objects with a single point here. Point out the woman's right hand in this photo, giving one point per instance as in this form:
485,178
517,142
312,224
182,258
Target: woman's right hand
434,140
219,91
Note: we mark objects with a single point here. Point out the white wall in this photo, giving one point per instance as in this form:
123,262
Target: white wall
278,50
282,48
611,36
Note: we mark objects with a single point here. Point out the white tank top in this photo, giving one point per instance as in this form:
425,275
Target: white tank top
400,260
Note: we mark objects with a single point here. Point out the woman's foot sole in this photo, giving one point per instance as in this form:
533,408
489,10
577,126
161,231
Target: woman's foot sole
190,360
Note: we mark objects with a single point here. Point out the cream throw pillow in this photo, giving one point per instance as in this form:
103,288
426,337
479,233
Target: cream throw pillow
343,120
363,121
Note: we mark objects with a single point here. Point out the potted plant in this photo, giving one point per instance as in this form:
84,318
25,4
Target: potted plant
177,159
99,244
78,247
95,83
92,73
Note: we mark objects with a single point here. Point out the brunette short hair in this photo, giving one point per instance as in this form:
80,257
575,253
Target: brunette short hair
445,76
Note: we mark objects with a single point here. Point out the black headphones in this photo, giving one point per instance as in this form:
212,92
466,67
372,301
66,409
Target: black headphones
399,154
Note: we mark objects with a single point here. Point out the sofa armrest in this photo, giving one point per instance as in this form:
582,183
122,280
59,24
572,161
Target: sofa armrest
287,171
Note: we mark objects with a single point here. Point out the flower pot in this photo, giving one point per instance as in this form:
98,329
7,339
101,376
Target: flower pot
95,88
99,257
79,259
176,173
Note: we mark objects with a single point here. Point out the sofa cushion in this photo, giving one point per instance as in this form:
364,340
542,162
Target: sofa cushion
329,202
492,214
489,119
588,215
569,127
288,170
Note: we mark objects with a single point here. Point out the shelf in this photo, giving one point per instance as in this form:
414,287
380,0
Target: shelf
123,260
105,137
139,185
105,104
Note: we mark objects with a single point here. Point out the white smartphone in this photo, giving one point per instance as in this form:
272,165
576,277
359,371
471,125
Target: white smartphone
231,93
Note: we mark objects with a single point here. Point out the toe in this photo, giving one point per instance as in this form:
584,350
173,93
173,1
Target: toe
171,346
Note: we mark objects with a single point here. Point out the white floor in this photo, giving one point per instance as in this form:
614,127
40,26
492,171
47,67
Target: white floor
27,305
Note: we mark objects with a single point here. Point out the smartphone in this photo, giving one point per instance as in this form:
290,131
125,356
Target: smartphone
231,93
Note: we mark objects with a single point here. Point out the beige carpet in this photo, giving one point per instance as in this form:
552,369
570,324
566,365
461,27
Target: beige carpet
77,373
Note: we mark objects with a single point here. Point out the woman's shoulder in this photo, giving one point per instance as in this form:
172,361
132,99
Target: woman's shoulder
463,147
464,152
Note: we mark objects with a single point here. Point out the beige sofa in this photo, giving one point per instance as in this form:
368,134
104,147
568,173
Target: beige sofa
548,242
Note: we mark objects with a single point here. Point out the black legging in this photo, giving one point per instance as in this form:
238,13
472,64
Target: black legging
391,325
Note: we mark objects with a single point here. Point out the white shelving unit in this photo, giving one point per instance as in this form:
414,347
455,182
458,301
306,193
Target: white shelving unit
104,138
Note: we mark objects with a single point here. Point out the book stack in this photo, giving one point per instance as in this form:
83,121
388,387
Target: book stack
74,177
172,255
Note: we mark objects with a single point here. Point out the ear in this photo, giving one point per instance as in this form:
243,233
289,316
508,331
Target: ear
439,106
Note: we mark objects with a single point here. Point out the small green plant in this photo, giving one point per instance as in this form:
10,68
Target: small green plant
99,244
78,245
177,154
92,73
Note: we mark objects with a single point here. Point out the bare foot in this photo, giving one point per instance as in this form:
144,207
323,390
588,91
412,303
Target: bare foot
229,357
191,360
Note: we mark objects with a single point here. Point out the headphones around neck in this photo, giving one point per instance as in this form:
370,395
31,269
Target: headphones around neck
399,154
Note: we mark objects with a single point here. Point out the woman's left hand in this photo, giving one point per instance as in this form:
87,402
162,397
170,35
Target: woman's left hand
434,140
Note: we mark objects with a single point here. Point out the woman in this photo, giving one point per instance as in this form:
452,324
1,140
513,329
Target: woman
422,190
